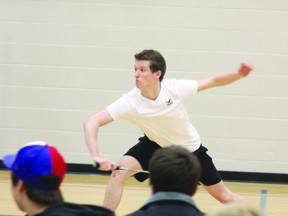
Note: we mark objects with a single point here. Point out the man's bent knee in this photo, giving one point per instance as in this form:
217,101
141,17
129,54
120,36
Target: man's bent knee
119,176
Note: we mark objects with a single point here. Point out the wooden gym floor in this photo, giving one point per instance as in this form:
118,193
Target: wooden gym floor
90,189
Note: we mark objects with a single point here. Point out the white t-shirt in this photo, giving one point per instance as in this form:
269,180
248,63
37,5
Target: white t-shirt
164,120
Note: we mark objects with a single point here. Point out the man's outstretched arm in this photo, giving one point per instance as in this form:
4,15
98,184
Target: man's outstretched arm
225,78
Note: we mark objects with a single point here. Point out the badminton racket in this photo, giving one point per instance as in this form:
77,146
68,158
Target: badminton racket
96,165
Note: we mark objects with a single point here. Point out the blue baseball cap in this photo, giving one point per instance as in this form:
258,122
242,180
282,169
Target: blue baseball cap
34,161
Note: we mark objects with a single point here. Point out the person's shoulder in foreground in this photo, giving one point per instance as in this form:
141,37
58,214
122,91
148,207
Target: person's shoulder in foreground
72,209
174,175
37,171
236,209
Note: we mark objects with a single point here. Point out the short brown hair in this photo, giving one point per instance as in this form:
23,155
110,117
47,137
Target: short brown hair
44,197
174,168
157,62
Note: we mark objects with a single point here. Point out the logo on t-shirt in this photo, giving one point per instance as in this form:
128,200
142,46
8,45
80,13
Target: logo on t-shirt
169,102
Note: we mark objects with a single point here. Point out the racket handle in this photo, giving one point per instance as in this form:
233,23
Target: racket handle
96,165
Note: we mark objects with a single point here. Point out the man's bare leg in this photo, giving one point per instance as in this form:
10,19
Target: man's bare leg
115,187
221,193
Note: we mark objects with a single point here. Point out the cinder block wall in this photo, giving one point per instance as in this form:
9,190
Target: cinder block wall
63,60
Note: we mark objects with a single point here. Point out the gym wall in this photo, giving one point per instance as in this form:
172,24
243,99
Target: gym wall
63,60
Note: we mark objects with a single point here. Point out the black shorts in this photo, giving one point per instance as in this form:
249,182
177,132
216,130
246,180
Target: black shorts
145,148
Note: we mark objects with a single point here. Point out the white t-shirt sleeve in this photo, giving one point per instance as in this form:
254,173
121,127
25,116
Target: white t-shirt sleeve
119,108
184,88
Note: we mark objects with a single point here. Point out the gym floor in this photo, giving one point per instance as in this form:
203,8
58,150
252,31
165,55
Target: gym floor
89,189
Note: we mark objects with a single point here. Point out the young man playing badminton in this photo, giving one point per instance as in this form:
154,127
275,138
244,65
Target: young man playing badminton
156,106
